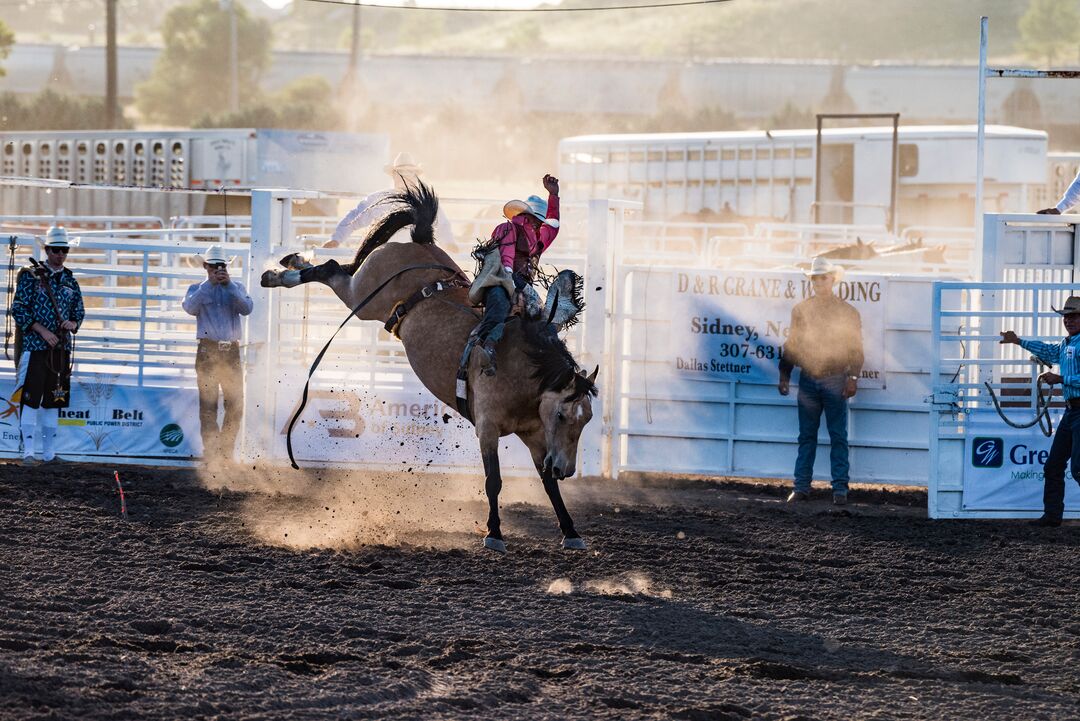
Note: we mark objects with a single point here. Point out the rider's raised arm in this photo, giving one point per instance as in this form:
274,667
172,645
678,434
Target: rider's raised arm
547,231
364,212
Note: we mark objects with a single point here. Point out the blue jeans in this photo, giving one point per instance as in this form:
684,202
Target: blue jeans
1064,449
817,395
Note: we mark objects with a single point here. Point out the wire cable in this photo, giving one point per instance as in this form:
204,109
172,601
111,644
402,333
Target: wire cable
522,10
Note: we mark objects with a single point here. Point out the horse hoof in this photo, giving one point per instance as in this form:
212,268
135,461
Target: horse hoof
495,544
294,261
270,279
574,544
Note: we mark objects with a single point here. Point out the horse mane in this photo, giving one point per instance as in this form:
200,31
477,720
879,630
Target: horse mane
420,207
553,365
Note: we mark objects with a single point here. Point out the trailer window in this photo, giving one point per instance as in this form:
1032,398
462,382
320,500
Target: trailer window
727,154
694,155
781,153
746,154
711,155
804,152
675,155
655,155
908,160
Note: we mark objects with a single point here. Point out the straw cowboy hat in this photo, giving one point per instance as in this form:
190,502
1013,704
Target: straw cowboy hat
1071,307
214,254
57,237
534,205
404,164
822,266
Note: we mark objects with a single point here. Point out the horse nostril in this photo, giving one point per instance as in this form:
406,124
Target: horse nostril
556,472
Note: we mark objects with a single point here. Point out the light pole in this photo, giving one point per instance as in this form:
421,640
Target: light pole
229,6
110,64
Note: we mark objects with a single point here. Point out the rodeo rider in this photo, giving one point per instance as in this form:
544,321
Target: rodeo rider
510,258
1065,447
217,303
48,310
825,342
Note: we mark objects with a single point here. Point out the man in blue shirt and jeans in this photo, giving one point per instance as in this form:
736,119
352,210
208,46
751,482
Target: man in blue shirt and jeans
1066,445
217,303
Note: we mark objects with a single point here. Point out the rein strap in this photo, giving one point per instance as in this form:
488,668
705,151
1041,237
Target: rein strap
318,359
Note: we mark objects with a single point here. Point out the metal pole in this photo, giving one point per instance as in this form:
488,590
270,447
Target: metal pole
817,171
980,141
110,65
893,221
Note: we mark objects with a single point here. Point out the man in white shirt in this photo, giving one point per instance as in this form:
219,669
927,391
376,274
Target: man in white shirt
370,210
1068,200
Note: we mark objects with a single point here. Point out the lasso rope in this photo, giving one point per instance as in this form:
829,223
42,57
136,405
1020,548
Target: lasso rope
1042,408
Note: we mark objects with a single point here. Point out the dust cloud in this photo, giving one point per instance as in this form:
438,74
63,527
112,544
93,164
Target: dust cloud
348,509
632,583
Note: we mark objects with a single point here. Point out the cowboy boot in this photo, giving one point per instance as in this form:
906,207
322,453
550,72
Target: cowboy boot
28,425
48,445
486,351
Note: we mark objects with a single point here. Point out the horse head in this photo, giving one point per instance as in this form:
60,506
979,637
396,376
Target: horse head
563,414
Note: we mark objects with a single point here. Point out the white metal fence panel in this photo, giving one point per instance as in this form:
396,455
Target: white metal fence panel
1003,479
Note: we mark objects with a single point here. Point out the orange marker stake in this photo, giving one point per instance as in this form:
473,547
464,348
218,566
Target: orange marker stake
123,504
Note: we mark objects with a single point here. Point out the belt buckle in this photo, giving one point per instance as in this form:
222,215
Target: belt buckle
224,345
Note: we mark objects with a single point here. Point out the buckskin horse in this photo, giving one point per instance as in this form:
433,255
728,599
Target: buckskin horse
539,393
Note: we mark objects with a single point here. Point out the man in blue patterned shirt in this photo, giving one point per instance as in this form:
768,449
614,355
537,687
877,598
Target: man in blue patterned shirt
48,309
1066,445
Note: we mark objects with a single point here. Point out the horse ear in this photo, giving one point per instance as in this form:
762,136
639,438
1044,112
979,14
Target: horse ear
592,376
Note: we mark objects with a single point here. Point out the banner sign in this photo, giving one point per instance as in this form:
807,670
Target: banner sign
731,324
108,419
406,428
1003,468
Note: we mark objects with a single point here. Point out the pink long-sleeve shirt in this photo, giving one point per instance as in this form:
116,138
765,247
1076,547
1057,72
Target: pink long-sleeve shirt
519,241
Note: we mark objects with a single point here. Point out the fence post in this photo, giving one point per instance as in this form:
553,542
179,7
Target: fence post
271,228
597,436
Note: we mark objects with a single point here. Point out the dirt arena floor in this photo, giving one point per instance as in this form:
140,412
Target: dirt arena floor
218,598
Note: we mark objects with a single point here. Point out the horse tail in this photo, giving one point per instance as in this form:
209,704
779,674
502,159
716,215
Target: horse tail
417,206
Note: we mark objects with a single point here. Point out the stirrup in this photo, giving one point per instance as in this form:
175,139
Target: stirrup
486,351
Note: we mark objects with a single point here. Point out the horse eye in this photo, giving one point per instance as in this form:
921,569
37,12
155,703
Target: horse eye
560,416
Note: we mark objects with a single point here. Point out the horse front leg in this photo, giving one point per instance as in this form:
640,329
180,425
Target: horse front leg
489,451
571,539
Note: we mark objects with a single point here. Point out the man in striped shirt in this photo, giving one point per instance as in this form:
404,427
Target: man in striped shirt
1066,445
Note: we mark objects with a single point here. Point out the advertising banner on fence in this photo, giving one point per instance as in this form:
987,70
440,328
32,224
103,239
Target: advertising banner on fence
732,324
107,419
409,429
1003,469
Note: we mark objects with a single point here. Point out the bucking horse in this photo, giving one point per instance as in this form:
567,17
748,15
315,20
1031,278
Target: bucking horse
539,393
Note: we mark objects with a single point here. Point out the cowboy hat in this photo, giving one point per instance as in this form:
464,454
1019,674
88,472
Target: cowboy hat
405,164
534,206
57,237
214,254
822,266
1072,306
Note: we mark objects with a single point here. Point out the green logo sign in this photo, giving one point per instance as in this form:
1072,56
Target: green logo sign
171,435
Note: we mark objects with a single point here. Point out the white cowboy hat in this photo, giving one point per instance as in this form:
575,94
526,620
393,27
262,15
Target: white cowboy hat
214,254
404,164
822,266
57,237
534,206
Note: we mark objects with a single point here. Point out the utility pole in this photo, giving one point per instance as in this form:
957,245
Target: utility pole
111,105
352,74
229,6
